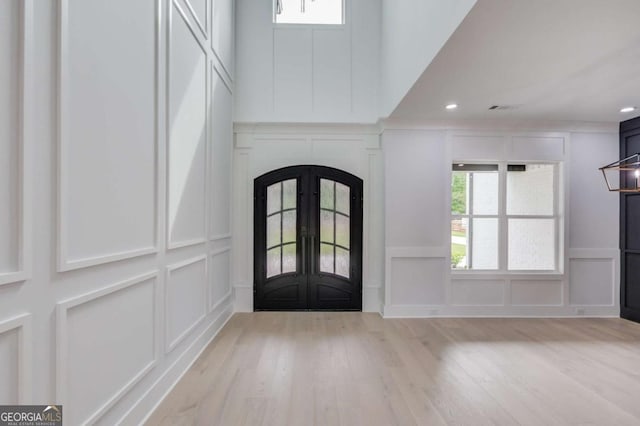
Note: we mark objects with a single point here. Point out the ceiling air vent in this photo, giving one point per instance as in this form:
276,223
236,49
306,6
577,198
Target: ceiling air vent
498,107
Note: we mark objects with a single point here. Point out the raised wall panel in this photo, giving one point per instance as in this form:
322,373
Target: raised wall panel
417,281
477,292
591,281
16,348
537,148
536,293
187,129
107,145
221,156
105,345
292,81
219,277
185,299
10,140
222,34
478,147
10,366
331,71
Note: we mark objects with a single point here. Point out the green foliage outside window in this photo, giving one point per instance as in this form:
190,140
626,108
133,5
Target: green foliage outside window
459,193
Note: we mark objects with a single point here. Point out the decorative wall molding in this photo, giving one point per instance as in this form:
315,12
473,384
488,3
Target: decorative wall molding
62,339
170,345
22,323
157,392
198,240
64,263
203,27
25,129
213,304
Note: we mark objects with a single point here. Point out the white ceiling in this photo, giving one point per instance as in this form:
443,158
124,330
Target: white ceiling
575,60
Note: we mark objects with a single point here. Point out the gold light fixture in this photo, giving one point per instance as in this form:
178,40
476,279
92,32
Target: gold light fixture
627,172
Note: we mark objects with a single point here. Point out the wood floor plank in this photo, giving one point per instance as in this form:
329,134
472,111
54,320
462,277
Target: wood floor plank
345,368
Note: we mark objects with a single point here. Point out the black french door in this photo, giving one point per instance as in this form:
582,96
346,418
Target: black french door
308,240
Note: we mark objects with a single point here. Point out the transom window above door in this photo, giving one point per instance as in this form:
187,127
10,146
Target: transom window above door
314,12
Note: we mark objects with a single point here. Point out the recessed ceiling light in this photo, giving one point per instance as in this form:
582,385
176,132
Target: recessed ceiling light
452,106
627,109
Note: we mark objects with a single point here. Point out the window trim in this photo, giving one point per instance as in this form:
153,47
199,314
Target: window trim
503,219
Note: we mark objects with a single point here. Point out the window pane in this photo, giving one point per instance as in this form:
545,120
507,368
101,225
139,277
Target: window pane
326,194
273,262
342,262
273,197
326,258
288,258
342,198
532,244
326,226
530,191
484,244
273,230
459,239
342,230
289,226
485,192
289,194
459,193
314,12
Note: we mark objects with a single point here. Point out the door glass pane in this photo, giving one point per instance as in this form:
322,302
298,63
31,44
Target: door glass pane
288,258
342,198
532,244
326,226
342,230
342,262
530,189
273,230
273,262
485,244
274,198
326,194
289,194
326,258
289,226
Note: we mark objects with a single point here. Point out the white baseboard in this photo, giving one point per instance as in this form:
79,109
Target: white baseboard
440,311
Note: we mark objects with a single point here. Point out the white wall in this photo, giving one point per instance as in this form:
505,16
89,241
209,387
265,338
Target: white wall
260,149
418,279
115,233
298,73
413,32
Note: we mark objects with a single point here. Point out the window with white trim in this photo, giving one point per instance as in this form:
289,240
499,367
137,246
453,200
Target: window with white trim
315,12
505,217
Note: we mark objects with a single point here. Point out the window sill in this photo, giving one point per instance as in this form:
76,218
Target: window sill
520,275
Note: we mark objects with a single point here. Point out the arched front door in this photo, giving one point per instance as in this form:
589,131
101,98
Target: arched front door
308,240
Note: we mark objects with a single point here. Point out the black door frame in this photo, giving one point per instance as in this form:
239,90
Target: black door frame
310,281
629,238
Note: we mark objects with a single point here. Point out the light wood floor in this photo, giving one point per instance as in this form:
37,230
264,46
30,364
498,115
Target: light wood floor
357,369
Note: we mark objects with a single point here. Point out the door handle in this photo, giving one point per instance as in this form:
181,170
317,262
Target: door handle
312,246
303,262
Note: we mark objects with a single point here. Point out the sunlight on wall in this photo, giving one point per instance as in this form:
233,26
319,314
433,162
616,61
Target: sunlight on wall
187,133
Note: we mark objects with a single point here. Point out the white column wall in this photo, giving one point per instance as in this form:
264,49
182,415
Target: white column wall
418,279
115,173
308,73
